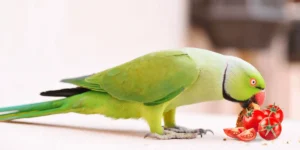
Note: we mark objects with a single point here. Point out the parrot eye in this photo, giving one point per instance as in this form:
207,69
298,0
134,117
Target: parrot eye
253,82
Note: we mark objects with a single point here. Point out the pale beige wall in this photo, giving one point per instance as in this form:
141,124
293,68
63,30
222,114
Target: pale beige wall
43,41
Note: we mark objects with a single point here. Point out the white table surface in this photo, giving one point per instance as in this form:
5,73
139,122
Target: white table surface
78,132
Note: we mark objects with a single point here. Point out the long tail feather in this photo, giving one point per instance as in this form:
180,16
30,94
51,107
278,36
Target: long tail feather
32,110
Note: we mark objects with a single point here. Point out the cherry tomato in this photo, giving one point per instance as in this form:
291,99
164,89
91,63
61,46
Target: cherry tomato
275,112
233,132
269,128
252,119
247,135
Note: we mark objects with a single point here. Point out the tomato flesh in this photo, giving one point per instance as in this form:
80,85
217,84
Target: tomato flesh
247,135
269,128
233,132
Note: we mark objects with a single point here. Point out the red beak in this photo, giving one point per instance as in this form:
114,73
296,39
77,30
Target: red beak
259,98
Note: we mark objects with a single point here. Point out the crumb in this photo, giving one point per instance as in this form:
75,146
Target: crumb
224,139
264,144
287,142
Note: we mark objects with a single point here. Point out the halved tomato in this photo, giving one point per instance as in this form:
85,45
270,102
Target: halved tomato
247,135
233,132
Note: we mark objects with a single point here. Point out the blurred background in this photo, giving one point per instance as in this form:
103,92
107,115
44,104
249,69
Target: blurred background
43,41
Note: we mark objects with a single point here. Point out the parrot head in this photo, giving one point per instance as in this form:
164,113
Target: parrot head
243,83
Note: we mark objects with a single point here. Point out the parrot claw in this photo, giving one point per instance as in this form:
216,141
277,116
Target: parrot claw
168,135
202,131
179,129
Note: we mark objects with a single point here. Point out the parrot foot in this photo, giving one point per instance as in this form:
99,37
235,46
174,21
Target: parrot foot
168,135
179,129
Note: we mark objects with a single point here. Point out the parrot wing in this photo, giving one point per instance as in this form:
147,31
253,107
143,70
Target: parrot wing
151,79
81,81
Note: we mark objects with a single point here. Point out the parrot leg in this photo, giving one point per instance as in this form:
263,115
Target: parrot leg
153,116
170,125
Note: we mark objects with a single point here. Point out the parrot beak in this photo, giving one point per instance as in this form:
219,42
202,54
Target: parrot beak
259,98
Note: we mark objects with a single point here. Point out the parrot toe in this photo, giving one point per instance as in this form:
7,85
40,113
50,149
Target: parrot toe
203,131
168,135
179,129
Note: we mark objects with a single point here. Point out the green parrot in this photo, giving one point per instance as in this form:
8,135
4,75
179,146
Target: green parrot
151,87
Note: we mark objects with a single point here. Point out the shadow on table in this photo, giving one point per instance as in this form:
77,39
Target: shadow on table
133,133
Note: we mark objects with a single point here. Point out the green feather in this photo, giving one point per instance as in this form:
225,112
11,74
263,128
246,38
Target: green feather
165,99
32,110
80,81
141,80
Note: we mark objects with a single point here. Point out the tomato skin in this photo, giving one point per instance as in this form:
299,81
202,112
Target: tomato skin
233,132
275,112
247,135
269,128
252,119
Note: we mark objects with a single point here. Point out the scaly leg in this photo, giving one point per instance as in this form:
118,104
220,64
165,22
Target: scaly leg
170,125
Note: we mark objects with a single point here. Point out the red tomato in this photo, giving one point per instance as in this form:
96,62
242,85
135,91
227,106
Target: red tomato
269,128
233,132
247,135
275,112
252,119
